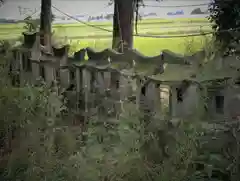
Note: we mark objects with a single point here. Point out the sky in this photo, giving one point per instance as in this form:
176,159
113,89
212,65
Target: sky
82,9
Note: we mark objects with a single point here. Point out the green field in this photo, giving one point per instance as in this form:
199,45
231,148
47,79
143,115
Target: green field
81,36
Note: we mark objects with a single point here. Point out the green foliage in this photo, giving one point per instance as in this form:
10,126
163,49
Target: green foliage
31,25
1,2
226,15
129,150
4,46
38,144
27,124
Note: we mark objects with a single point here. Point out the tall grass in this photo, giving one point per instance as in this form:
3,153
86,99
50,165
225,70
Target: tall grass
38,144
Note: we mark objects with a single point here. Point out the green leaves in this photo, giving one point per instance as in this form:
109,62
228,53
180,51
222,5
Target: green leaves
226,16
31,25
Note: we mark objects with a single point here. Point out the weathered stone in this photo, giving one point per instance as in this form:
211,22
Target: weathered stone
107,79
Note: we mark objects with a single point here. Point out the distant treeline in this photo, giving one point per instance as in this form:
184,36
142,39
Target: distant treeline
109,16
7,21
199,11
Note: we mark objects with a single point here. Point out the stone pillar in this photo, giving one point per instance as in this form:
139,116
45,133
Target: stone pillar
123,86
190,104
86,90
231,103
29,72
115,97
21,73
123,93
138,93
35,59
79,79
64,78
15,65
149,96
79,87
115,85
107,80
173,101
35,70
156,99
100,83
49,74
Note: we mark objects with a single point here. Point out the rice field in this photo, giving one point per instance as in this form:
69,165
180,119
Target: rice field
81,36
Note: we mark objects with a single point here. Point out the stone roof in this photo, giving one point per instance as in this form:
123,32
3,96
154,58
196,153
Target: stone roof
216,69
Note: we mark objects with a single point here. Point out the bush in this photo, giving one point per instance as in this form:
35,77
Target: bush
129,150
28,123
38,144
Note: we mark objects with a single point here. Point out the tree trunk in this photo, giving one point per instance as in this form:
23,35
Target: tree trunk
123,24
1,2
45,22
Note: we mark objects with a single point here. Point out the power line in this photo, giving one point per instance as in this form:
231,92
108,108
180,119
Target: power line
145,35
176,6
89,14
35,12
87,24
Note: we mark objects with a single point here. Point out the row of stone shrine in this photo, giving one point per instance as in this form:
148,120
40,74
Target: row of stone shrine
106,80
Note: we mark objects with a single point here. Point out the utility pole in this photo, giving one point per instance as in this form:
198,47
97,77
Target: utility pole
45,23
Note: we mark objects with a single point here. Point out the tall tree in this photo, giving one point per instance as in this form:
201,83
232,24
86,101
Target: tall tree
225,14
1,2
123,24
45,22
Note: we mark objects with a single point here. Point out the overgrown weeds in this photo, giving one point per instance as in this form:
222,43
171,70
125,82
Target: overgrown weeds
37,144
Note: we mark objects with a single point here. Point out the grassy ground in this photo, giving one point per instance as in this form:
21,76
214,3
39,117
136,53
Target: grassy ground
148,46
80,35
